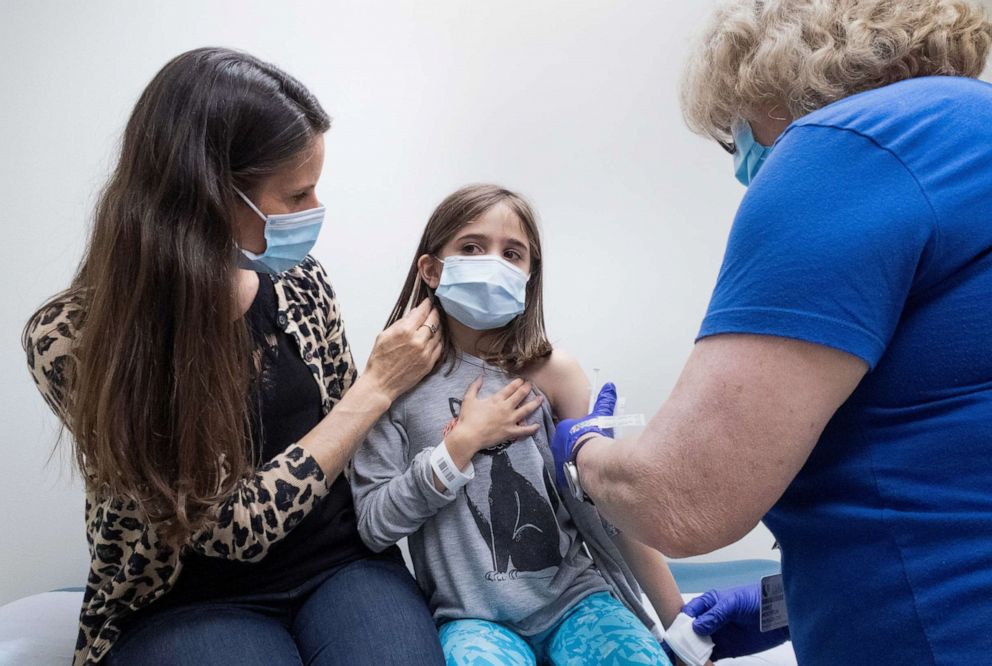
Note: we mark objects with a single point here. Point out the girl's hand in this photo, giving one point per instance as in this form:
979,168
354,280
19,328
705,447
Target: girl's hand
485,422
406,351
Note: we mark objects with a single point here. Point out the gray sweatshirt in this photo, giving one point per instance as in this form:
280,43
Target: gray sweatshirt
506,547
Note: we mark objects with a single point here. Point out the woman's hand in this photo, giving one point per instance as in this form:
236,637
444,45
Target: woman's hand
485,422
406,351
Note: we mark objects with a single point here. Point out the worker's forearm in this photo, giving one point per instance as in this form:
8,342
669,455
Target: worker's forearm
651,498
617,489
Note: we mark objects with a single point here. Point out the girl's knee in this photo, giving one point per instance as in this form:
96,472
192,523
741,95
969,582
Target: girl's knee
601,630
482,643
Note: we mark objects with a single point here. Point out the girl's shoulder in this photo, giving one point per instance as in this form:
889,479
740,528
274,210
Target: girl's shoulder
561,378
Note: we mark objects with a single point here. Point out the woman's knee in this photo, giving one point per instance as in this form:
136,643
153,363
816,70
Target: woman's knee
371,611
205,634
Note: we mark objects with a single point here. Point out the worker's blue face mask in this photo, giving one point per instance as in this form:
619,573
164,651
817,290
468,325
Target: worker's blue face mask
750,154
288,239
482,292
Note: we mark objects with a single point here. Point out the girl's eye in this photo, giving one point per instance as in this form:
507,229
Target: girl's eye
471,248
299,197
512,255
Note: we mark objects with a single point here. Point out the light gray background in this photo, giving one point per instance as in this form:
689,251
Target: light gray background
572,103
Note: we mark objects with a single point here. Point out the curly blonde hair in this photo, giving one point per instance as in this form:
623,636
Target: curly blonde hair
800,55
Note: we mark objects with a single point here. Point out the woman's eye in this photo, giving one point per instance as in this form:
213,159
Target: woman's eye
471,248
299,197
512,255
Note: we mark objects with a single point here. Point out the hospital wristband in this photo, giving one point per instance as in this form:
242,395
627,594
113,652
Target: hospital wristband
447,471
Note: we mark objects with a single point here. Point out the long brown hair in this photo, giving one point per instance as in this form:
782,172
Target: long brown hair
157,398
524,339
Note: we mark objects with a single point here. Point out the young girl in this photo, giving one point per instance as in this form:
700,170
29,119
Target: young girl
514,571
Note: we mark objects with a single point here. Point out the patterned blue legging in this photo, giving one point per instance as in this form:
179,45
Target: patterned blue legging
597,630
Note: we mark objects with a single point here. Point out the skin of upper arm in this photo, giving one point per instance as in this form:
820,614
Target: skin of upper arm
562,380
739,425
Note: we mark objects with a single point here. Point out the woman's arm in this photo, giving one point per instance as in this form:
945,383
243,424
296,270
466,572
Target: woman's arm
265,506
562,379
747,411
402,355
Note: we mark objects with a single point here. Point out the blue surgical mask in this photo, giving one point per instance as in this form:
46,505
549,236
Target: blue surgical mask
288,239
750,154
482,292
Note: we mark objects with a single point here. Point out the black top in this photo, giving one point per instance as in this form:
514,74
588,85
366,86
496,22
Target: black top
286,405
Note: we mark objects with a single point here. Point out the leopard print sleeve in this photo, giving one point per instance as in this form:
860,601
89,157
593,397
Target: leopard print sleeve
264,507
49,343
338,350
131,564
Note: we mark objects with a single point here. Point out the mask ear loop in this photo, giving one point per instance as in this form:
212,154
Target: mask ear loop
433,290
775,117
251,205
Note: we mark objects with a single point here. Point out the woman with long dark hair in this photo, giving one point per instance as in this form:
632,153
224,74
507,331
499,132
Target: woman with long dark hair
199,362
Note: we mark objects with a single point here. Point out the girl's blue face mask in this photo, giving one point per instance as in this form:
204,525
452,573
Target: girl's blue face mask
482,292
288,239
750,154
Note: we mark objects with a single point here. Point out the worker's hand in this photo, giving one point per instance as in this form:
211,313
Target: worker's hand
732,619
570,431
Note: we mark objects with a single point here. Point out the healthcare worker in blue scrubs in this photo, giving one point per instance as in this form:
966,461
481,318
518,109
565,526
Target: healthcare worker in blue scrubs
841,385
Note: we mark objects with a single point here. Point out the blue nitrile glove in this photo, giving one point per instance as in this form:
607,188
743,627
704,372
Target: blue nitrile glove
570,431
732,619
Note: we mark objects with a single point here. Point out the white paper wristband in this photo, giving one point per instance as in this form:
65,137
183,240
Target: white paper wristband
447,471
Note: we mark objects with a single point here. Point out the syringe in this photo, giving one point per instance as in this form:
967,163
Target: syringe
622,421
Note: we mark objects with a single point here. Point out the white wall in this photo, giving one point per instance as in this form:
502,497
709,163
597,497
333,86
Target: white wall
572,103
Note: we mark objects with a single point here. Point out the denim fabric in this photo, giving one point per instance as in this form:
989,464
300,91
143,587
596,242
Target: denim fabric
364,612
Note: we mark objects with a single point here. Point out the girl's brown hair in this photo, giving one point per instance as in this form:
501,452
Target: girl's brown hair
524,339
157,395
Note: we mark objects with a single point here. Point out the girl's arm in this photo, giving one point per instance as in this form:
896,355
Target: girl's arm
394,497
652,572
564,382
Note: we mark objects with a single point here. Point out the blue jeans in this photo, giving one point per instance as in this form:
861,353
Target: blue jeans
365,612
597,631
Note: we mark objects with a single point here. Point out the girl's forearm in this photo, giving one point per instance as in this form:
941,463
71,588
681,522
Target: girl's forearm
391,506
651,571
334,440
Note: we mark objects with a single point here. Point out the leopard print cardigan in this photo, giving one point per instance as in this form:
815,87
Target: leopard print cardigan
130,565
